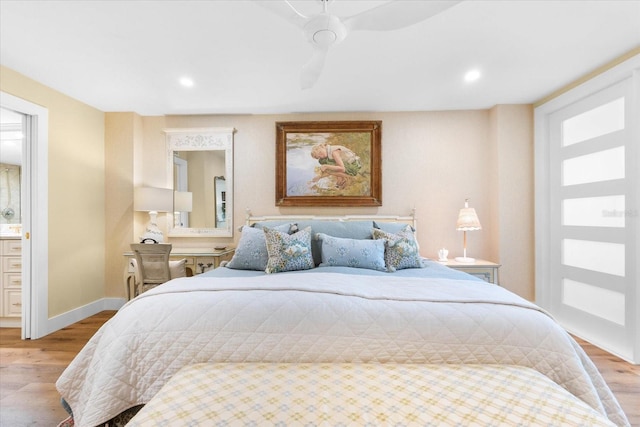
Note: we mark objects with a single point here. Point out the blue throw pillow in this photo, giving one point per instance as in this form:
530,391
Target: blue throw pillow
344,229
288,252
355,253
251,253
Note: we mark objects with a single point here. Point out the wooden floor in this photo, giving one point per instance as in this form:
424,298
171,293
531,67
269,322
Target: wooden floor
623,379
29,370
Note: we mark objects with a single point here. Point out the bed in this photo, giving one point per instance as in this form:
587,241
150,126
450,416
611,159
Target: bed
332,291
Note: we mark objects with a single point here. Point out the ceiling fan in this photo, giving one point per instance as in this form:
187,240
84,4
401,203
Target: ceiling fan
324,29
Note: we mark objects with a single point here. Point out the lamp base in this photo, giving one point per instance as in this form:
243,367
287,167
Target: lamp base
152,232
155,236
465,260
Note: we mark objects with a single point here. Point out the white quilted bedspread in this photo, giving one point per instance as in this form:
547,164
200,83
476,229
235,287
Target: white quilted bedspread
323,317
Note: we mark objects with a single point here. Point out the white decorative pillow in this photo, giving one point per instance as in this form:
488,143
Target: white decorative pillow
178,268
401,250
357,253
251,253
288,252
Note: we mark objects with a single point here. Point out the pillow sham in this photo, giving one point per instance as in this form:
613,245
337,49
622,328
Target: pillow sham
395,227
251,253
288,252
357,253
401,250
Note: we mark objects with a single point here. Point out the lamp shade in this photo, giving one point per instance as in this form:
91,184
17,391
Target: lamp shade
468,219
183,201
151,199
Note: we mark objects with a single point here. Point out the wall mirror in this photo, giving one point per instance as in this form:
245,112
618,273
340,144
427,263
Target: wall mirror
200,170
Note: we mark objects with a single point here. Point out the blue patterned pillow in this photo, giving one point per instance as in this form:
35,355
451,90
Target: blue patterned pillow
401,249
355,253
288,252
251,253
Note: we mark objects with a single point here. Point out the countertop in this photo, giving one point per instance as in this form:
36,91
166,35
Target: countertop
10,236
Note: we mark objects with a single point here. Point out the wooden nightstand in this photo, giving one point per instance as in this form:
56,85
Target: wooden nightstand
485,270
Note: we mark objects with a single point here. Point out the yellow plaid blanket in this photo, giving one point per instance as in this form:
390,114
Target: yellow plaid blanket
263,394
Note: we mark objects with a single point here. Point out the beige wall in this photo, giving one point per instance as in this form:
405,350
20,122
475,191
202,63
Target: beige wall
76,193
122,130
512,198
430,161
135,157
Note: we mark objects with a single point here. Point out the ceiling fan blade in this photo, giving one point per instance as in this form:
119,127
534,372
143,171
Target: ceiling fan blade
397,14
312,69
285,10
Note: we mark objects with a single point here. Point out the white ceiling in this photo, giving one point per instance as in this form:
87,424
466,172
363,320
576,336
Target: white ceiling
129,55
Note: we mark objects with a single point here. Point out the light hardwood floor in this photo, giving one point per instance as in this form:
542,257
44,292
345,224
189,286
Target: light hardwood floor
29,370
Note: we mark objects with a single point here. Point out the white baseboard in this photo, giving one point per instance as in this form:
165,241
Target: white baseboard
70,317
113,303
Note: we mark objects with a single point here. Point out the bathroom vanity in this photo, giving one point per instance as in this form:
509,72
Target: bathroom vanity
11,276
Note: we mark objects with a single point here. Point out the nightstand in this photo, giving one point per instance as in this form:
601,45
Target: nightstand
485,270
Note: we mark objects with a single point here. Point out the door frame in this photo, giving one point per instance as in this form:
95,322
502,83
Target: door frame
35,216
629,69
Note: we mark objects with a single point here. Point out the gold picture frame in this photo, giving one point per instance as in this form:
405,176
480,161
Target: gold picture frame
332,163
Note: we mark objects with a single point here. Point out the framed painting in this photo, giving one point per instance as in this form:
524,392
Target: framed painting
328,163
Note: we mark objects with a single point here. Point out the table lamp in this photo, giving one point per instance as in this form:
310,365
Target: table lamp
467,221
152,200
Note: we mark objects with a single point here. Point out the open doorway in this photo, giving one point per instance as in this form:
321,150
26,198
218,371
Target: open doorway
33,214
12,139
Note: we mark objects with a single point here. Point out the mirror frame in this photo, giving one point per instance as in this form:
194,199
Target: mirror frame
202,139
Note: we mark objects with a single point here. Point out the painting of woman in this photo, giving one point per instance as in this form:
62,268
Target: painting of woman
327,164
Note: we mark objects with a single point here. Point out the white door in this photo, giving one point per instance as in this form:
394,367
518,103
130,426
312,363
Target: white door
587,221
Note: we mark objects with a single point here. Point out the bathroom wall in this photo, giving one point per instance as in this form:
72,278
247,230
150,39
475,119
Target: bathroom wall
9,195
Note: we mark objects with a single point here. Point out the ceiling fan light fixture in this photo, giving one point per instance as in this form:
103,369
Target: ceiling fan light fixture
324,38
325,30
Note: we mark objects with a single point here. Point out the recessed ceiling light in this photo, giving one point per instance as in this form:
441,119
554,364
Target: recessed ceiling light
186,82
472,75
